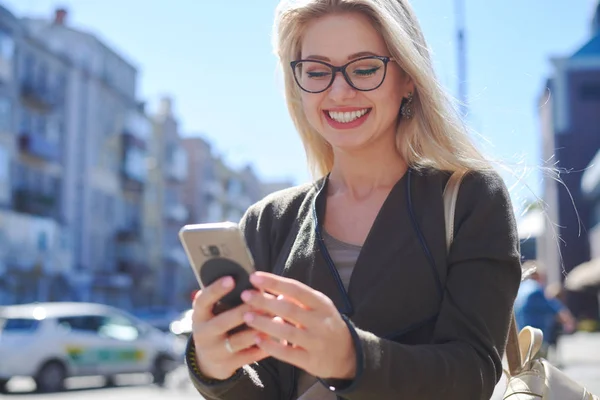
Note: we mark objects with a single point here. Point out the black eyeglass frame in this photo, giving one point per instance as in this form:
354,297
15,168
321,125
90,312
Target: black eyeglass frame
342,69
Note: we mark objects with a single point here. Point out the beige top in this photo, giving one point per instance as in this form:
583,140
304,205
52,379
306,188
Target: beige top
344,257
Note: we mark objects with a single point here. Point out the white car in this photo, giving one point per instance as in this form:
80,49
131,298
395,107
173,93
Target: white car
52,341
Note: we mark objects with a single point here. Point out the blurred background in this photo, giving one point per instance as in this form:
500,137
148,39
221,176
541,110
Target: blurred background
121,121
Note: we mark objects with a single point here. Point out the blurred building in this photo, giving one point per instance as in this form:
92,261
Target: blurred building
93,191
201,174
570,117
215,191
172,172
34,245
104,136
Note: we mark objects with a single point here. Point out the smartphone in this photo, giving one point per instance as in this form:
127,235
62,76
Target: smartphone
217,250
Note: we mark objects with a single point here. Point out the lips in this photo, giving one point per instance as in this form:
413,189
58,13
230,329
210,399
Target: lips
346,118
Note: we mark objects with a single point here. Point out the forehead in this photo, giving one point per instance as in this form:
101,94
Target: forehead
338,36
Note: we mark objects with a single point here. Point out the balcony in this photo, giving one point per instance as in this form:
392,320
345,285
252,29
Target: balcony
176,165
39,147
28,201
130,258
176,255
134,168
129,232
176,213
27,240
137,127
39,97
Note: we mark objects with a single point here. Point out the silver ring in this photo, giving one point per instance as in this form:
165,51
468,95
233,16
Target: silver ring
228,346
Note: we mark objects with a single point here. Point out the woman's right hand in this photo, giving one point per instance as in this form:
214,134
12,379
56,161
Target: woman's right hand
219,355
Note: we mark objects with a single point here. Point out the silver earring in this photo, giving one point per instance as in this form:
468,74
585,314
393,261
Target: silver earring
406,110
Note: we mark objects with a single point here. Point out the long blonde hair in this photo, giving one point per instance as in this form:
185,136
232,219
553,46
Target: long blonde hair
434,137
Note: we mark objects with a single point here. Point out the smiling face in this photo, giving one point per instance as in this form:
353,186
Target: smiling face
348,118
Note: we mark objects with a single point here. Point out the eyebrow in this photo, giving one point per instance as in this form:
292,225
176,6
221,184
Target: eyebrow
350,57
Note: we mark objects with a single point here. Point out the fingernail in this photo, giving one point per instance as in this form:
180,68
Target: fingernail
255,279
248,317
246,295
227,282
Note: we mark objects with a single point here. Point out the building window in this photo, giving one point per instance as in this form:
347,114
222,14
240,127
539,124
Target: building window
25,124
590,92
4,175
42,78
5,115
7,45
7,51
28,68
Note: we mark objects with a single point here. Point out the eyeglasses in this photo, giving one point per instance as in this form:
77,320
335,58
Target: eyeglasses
364,74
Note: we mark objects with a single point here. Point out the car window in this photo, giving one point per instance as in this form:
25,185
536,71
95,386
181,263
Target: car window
19,325
119,327
82,323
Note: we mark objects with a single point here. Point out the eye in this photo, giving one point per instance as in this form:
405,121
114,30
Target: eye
366,72
315,74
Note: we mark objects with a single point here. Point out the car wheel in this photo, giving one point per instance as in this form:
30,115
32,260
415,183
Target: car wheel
160,370
51,377
109,381
3,383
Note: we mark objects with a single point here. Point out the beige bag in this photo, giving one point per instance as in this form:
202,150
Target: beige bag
529,378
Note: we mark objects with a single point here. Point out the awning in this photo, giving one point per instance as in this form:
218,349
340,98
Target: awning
584,277
590,181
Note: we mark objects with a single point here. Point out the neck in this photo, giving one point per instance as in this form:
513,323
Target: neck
360,172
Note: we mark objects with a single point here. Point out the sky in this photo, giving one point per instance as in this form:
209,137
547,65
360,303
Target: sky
215,59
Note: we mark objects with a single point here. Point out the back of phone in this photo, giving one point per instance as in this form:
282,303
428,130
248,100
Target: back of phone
216,250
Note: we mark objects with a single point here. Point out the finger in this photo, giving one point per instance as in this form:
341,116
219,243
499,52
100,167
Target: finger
292,355
289,288
284,332
245,357
287,310
279,320
244,340
205,300
226,321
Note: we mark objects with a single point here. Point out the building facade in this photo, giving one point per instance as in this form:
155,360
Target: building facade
171,159
35,245
105,129
570,124
93,190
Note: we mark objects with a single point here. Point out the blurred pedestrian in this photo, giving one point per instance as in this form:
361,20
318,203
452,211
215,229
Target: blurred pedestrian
359,298
541,307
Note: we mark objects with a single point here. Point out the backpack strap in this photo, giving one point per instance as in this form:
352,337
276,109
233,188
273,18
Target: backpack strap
513,351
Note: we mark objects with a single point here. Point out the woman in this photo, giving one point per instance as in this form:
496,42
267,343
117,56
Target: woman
357,296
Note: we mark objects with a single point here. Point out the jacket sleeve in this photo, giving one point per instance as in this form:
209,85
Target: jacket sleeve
258,381
464,359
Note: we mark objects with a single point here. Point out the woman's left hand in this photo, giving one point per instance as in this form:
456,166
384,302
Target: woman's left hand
319,340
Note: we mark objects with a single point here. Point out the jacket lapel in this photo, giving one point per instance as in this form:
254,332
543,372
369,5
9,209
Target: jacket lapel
308,260
384,281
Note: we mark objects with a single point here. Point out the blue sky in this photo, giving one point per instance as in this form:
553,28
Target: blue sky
215,59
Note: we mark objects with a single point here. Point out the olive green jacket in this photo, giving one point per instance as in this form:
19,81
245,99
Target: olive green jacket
427,324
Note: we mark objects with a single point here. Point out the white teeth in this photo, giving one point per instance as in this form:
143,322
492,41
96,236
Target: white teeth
345,117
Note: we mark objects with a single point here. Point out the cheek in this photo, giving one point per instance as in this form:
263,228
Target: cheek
310,104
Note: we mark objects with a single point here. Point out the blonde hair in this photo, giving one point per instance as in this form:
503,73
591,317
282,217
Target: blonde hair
434,137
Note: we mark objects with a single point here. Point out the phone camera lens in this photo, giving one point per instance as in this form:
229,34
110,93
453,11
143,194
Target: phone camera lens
214,251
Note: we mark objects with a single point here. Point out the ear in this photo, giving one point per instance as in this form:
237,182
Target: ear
409,85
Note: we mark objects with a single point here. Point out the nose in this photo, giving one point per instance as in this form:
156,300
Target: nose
340,89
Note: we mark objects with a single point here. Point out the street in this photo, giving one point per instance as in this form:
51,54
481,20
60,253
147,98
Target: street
134,387
579,355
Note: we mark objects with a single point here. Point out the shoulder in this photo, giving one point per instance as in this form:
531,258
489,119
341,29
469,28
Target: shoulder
484,214
284,201
484,192
280,207
476,185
